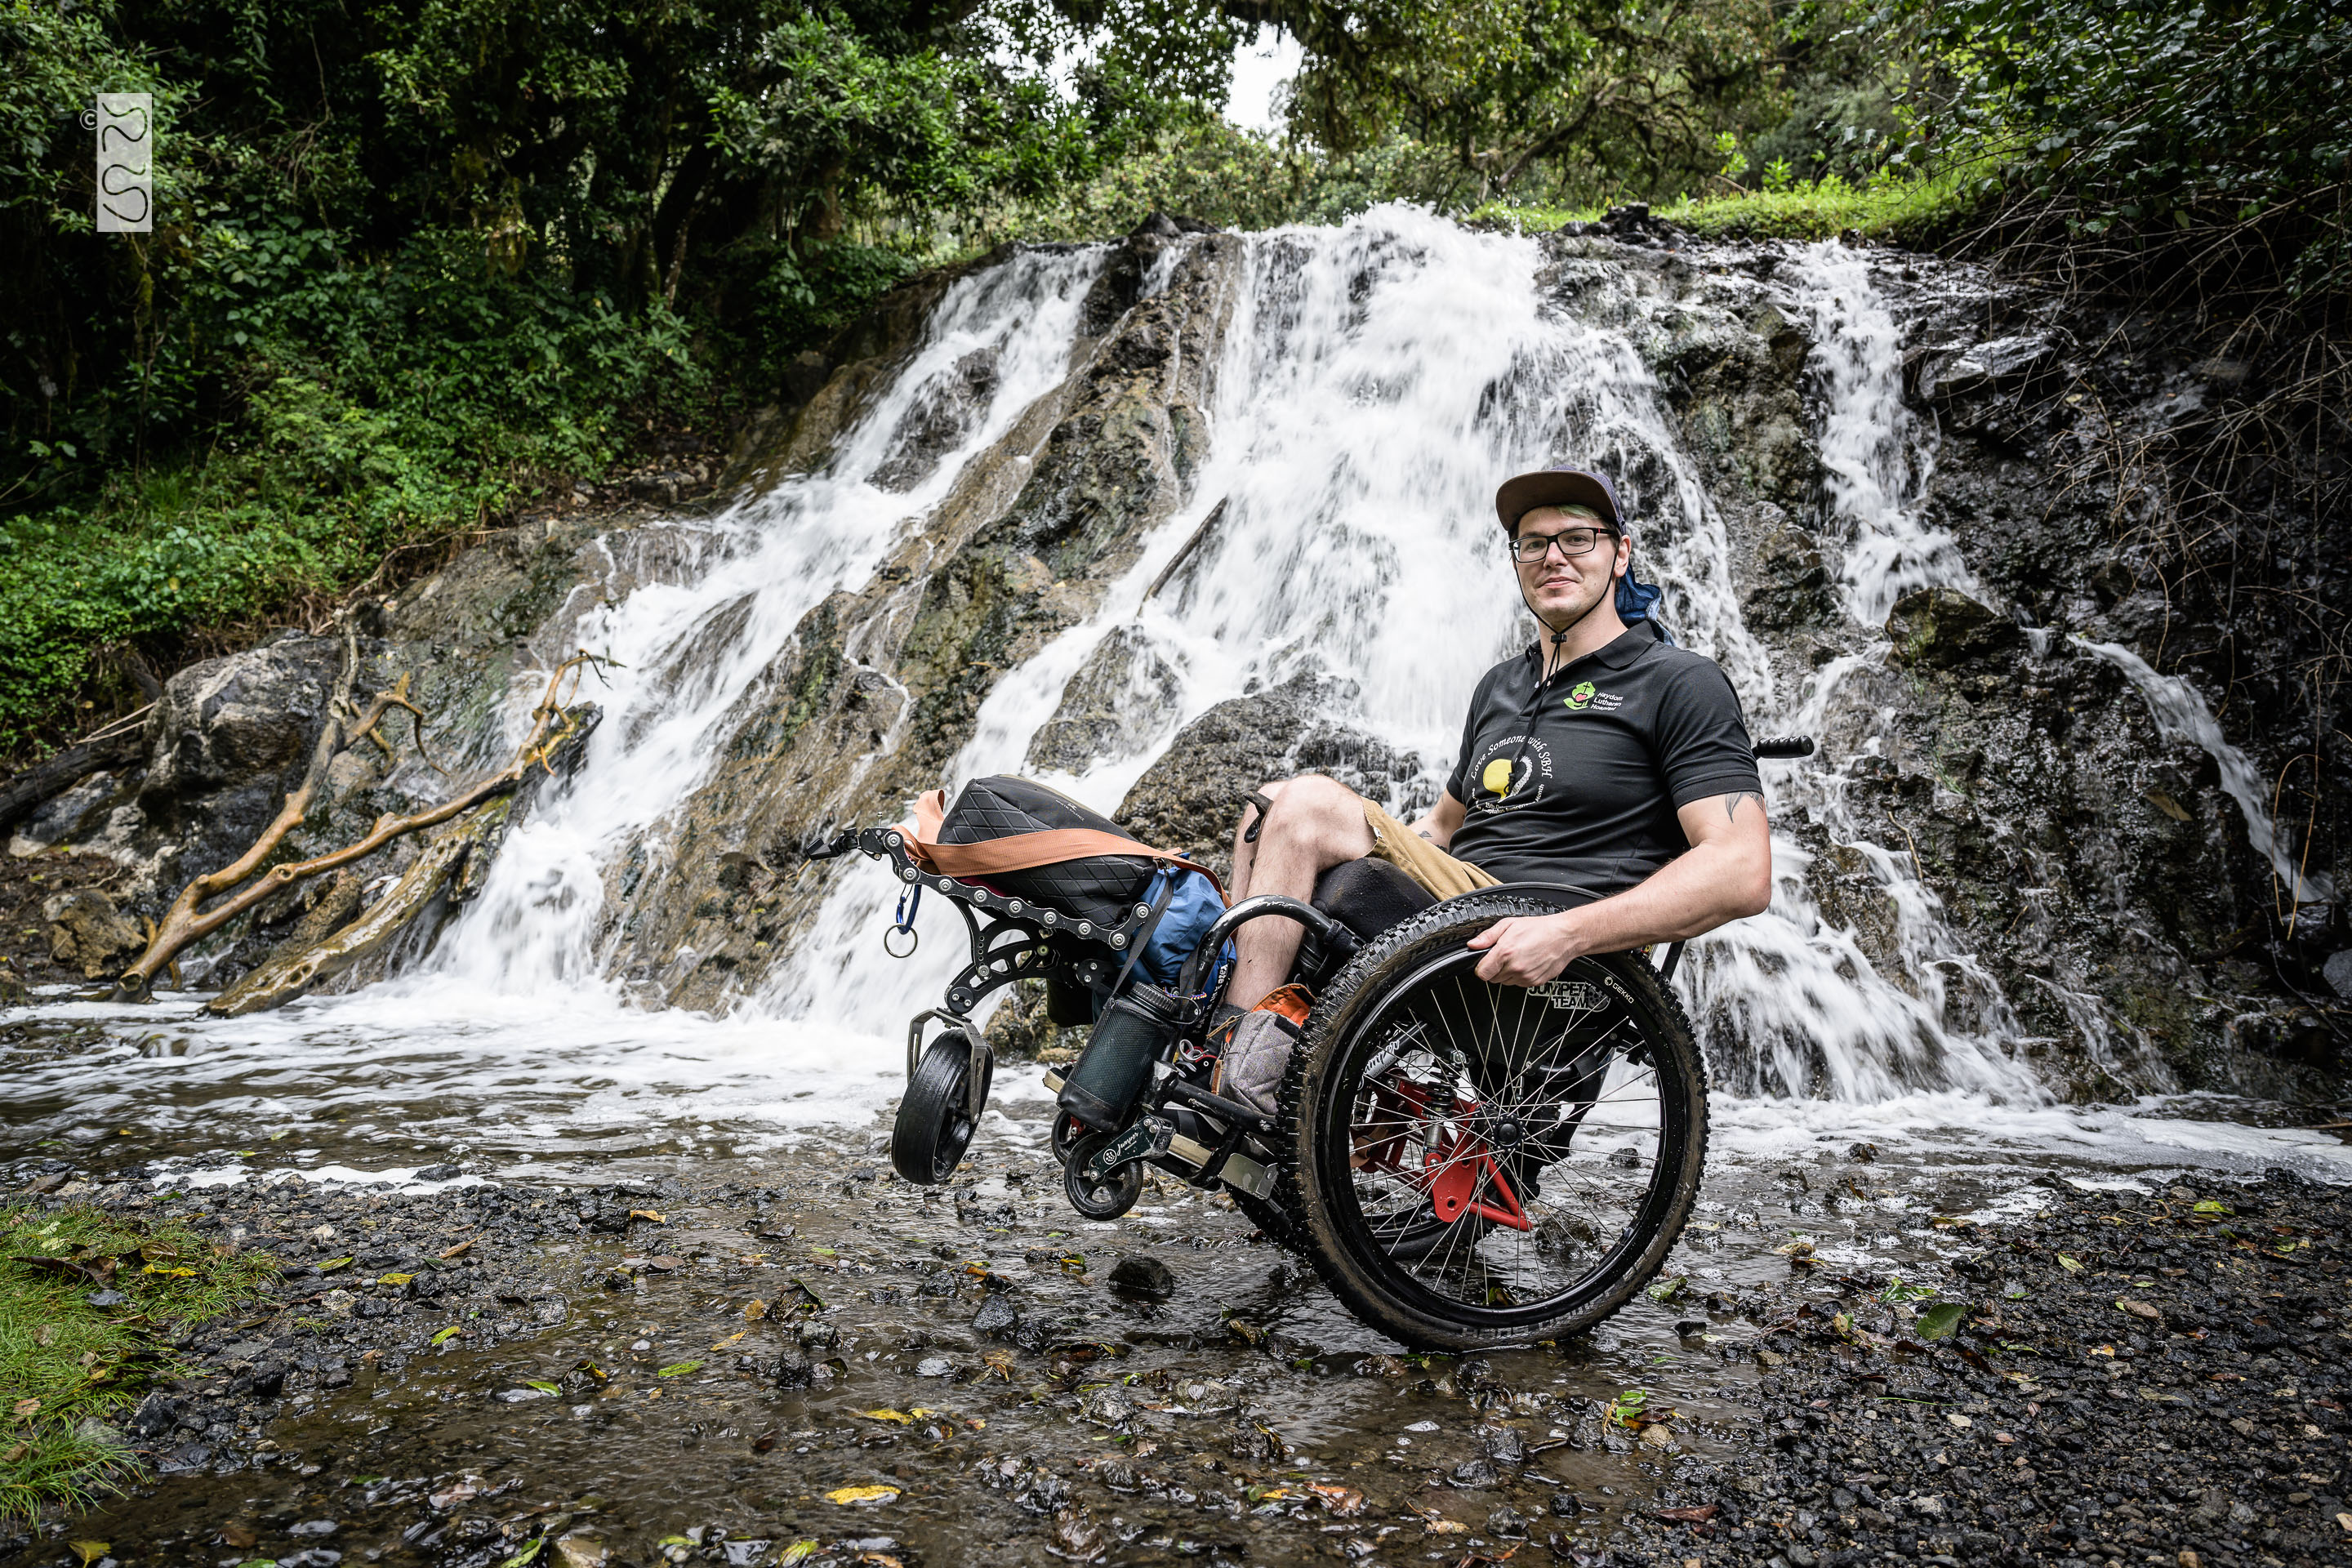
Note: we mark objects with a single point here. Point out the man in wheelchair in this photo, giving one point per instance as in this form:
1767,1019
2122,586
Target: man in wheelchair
1601,758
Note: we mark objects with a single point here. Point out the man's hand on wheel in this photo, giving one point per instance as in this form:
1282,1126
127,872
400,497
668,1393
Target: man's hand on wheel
1528,950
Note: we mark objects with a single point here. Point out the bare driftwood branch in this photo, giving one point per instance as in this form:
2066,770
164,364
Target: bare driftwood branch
285,974
189,921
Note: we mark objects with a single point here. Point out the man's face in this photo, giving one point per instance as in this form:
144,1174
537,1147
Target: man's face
1562,587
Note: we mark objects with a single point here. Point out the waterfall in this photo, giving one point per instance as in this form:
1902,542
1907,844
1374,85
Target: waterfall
1371,385
1379,378
687,651
2182,714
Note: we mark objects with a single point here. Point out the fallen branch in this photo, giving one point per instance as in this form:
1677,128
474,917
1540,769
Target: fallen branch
187,921
285,976
43,781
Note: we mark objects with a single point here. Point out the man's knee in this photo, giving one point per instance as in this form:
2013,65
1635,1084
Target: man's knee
1316,807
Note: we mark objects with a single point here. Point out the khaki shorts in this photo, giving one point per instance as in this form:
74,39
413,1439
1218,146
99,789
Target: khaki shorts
1425,863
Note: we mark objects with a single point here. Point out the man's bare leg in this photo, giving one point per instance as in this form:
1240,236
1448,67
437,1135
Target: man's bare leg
1317,822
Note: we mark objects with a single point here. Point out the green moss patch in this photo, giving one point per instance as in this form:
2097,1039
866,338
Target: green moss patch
88,1302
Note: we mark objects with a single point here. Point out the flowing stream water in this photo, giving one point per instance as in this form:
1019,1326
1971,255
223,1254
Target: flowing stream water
1375,381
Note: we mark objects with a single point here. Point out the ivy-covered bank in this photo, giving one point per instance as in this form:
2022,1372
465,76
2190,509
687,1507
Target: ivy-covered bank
413,270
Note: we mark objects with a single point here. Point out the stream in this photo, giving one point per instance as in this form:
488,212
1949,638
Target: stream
1371,383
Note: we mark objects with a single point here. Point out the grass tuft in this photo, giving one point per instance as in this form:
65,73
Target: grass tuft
69,1369
1906,211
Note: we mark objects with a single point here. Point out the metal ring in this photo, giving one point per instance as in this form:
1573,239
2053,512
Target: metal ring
914,939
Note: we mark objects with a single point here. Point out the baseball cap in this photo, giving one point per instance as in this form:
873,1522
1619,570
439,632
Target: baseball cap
1558,487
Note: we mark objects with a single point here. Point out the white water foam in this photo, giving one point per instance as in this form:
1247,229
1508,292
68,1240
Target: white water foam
1377,379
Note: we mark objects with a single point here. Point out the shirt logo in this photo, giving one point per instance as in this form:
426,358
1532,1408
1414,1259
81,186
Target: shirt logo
1512,775
1585,697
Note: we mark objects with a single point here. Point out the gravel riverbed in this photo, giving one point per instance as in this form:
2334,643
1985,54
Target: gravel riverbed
828,1365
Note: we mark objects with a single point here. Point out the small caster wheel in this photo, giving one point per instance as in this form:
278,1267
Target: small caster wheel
1108,1198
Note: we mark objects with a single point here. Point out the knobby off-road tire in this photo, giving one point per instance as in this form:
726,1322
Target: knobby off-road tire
1606,1198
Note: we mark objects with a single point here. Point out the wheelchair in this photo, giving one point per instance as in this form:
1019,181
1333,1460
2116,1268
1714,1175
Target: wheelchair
1467,1165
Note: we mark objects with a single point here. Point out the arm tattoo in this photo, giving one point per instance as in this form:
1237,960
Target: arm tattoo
1731,803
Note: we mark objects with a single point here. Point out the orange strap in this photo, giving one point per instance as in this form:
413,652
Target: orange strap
1024,851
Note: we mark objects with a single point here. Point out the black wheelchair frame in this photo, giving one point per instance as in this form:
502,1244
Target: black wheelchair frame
1177,1125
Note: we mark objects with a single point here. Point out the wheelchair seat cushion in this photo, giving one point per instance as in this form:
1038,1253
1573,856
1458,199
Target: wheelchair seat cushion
1369,895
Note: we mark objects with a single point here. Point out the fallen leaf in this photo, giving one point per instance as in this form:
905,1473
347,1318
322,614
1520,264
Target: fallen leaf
445,1335
1938,1320
729,1339
458,1251
89,1551
522,1559
329,1266
2069,1264
2210,1206
799,1552
678,1370
765,1442
1699,1515
1959,1420
754,1310
648,1215
861,1495
544,1387
2003,1438
1666,1289
1340,1500
24,1407
2139,1309
394,1278
899,1416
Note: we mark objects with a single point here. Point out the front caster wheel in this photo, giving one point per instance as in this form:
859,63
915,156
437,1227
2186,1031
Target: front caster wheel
935,1116
1108,1198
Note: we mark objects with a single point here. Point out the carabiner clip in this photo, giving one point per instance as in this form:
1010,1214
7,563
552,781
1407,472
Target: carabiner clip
903,921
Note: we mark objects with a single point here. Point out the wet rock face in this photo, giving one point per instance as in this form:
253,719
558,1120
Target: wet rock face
1122,695
1191,798
89,933
227,738
1944,628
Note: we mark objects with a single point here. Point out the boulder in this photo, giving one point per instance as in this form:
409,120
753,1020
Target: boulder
87,932
1191,797
247,718
1119,700
1943,628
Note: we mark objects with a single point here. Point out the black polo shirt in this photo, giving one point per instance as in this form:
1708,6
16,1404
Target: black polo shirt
1577,779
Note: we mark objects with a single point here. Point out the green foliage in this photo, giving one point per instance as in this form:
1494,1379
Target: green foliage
1563,101
2153,123
1907,211
64,1361
411,262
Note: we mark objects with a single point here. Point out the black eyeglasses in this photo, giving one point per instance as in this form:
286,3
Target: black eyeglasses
1529,548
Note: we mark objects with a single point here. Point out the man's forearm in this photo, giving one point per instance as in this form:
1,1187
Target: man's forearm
1724,874
1699,889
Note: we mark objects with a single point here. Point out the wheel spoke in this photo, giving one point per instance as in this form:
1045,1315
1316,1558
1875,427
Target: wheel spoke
1427,1097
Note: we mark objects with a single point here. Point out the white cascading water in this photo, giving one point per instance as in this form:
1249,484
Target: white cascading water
1376,381
671,704
2182,714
